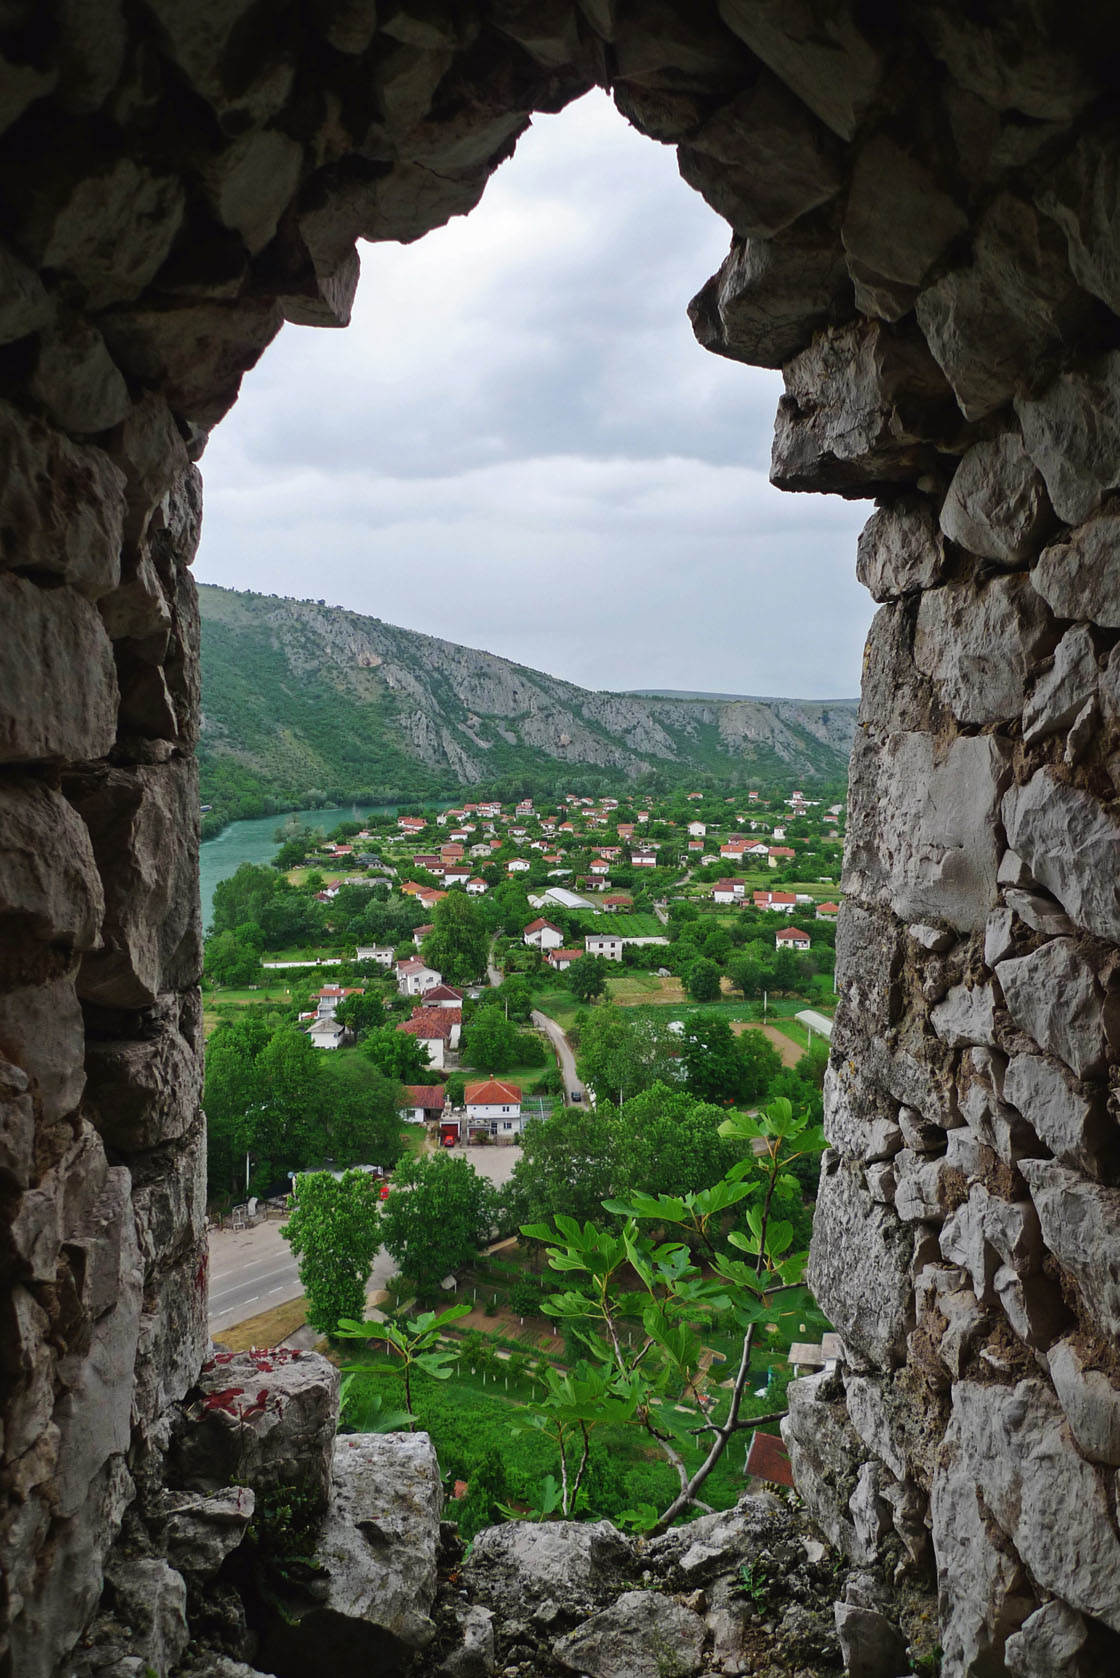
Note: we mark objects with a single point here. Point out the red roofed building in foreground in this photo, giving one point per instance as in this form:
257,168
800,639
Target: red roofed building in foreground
494,1107
424,1103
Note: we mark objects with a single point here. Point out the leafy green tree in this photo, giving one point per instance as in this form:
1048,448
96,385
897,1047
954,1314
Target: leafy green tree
490,1041
334,1232
436,1218
788,974
288,1129
361,1014
711,1062
231,961
671,1143
745,974
701,980
458,942
397,1054
622,1052
569,1163
760,1064
361,1113
587,977
414,1342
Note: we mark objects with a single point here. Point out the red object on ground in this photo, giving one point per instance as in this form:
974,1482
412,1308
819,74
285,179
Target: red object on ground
768,1459
385,1187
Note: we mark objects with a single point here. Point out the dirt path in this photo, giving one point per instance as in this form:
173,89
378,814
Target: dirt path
788,1050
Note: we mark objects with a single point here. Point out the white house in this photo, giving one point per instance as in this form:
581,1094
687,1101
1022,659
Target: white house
442,996
827,911
382,954
559,960
542,935
328,999
424,1103
518,865
697,830
604,944
414,976
477,887
728,891
326,1033
493,1106
437,1030
792,938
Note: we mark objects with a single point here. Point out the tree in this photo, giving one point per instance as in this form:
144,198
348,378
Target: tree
334,1231
490,1042
787,970
397,1054
361,1107
567,1163
760,1064
230,960
415,1344
288,1132
588,977
621,1053
702,980
746,974
436,1218
670,1143
361,1014
458,942
711,1063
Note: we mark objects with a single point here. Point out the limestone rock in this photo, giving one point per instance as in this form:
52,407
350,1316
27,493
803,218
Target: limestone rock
700,1550
1081,193
861,404
151,1598
57,634
197,353
826,1455
921,827
77,380
564,1561
1053,1642
1054,996
473,1657
41,1033
1090,1400
981,646
109,227
49,886
61,506
144,826
1038,911
377,1548
770,295
1064,1119
997,506
898,220
641,1635
1072,433
871,1646
1081,1227
1080,577
900,550
967,1015
202,1531
267,1418
143,1091
1067,688
1014,62
859,1267
1071,844
820,53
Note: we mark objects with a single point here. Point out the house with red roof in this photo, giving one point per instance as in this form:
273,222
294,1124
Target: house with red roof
729,891
424,1103
558,960
493,1106
437,1030
775,902
827,911
542,935
779,854
414,976
442,996
792,938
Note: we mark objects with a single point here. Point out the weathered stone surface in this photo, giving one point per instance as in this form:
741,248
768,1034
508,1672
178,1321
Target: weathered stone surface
377,1549
555,1560
267,1418
77,380
110,227
897,220
50,890
997,506
144,826
996,326
826,1454
1072,433
981,645
1090,1400
900,550
1051,1643
868,1300
700,1549
639,1636
473,1657
1081,1226
1068,1122
820,53
142,1091
1054,996
197,353
761,160
967,1015
1080,577
871,1646
1044,1498
1063,692
921,827
58,635
41,1032
770,295
1071,843
1082,193
61,506
894,695
861,404
251,183
1038,911
202,1531
151,1599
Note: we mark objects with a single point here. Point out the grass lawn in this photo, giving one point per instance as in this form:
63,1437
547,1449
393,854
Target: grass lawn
225,1001
559,1004
527,1076
632,990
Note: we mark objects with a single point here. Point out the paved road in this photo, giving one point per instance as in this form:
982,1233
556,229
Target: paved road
252,1270
572,1083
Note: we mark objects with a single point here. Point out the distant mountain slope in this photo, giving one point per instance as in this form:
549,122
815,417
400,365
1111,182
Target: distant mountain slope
301,700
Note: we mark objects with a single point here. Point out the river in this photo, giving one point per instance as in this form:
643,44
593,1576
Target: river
255,841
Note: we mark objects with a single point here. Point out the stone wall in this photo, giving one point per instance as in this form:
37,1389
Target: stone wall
924,207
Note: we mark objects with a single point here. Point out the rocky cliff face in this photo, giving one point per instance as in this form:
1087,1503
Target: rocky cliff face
465,714
923,200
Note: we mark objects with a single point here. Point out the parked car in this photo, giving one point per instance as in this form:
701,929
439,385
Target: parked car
577,1095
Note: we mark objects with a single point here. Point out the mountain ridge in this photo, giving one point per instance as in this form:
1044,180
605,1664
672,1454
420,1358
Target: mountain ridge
301,700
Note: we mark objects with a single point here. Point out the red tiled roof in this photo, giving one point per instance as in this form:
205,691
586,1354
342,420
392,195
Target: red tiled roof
492,1093
431,1022
425,1095
539,924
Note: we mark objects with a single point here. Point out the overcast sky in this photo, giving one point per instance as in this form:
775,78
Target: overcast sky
519,445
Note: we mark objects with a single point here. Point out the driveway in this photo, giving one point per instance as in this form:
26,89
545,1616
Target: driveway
572,1082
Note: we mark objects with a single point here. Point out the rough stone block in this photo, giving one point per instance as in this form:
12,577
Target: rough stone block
1090,1399
1082,193
266,1417
900,550
61,506
197,353
1065,690
1053,1642
967,1015
55,638
109,227
50,890
817,51
1071,844
1054,996
826,1454
1065,1120
997,506
144,826
770,295
41,1032
202,1531
982,645
922,827
898,219
641,1633
870,1645
143,1091
1080,577
1072,433
564,1561
77,380
862,405
1081,1227
859,1267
